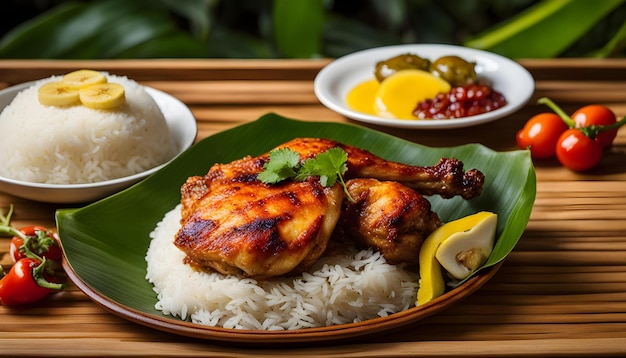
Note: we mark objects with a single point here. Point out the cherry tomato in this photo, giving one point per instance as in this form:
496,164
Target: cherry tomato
25,283
540,134
595,114
578,152
42,243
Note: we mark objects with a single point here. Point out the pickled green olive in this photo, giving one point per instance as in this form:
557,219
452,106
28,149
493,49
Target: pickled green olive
407,61
455,70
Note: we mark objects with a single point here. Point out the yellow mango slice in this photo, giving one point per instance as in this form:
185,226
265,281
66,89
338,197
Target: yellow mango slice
399,94
362,97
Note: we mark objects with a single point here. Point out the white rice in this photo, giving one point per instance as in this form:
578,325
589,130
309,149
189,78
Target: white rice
76,144
344,286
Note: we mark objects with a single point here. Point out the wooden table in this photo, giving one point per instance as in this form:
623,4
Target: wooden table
562,292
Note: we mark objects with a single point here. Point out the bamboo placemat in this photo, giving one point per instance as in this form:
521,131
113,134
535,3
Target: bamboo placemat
562,292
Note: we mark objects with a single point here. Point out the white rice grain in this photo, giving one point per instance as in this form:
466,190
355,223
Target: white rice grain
344,286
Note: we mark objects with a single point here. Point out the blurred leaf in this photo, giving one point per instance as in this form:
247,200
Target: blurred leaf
343,36
224,43
614,46
393,12
197,12
298,27
432,25
101,29
37,38
544,30
123,34
175,45
307,28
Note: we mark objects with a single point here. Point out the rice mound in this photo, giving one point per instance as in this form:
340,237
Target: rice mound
76,144
344,286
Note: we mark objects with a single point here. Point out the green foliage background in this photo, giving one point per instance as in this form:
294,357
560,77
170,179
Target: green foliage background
113,29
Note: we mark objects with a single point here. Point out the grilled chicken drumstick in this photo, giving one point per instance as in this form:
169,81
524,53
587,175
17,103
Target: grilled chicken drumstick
446,178
233,223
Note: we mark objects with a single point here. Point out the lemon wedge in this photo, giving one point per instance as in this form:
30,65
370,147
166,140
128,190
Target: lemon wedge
103,96
57,94
83,78
465,234
399,94
466,251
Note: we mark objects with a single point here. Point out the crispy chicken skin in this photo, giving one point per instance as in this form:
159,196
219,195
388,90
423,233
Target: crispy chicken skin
388,216
234,224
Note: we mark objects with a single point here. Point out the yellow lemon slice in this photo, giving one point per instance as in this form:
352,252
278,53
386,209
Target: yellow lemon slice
399,94
103,96
57,94
361,98
432,284
83,78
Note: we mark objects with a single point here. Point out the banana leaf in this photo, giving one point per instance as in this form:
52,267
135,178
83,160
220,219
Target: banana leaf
105,242
544,30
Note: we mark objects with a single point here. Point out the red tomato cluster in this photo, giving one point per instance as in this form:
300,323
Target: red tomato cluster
577,141
36,254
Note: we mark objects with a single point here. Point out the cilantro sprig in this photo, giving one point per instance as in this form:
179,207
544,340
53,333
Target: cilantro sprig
284,164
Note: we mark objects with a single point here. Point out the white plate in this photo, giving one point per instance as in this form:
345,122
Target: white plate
180,121
334,81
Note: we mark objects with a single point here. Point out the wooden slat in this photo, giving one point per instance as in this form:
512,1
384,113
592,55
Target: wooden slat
560,293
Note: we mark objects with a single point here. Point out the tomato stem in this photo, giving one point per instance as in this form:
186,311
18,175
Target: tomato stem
25,248
591,131
38,276
5,220
560,112
5,225
615,125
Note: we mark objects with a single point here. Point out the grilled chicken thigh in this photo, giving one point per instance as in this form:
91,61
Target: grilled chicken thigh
233,223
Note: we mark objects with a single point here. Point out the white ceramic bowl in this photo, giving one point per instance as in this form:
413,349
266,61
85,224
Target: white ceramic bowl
180,121
334,81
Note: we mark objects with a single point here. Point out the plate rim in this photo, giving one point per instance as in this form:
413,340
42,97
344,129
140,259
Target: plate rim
188,124
265,337
324,90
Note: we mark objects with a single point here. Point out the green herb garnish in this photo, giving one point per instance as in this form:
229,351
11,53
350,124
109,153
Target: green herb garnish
284,164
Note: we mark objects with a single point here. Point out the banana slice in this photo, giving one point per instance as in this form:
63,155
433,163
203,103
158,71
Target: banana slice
432,284
57,94
83,78
466,251
103,96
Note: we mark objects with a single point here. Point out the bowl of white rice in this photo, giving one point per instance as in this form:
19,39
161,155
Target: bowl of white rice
75,154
